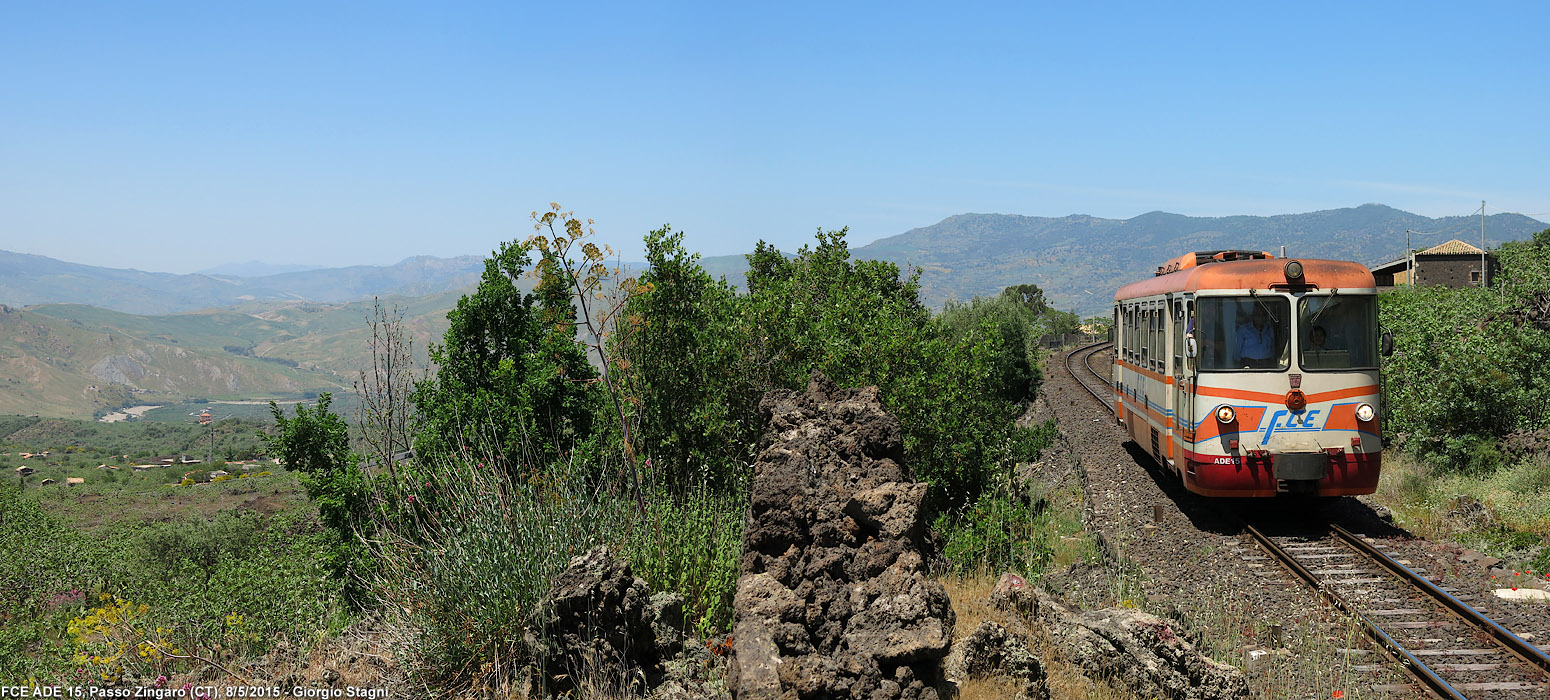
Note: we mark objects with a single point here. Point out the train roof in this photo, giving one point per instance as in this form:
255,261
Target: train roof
1247,270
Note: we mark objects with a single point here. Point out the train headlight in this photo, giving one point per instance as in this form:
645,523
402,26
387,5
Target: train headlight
1294,270
1365,412
1226,414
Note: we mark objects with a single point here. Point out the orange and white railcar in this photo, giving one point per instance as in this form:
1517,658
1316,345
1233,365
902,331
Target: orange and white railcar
1250,375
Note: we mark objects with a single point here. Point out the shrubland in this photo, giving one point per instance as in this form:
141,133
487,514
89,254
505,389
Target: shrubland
79,442
142,598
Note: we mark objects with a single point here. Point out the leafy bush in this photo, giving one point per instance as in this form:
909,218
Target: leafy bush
861,324
690,543
193,575
1470,363
684,371
1016,370
999,533
316,443
235,582
41,562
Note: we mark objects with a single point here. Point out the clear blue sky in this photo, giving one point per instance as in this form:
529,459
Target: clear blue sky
177,136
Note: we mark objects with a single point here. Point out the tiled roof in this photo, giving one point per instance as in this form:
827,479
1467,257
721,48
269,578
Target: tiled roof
1453,247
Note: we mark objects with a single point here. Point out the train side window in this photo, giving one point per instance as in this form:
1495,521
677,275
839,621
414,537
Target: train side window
1157,336
1146,338
1146,344
1130,337
1124,333
1178,337
1130,333
1140,335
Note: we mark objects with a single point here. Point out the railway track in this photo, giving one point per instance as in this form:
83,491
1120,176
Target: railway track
1095,382
1452,649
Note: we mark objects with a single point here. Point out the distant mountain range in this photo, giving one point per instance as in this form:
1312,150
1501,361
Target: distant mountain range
34,279
255,268
1080,260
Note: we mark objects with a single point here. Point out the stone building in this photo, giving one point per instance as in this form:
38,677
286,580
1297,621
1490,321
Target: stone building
1452,264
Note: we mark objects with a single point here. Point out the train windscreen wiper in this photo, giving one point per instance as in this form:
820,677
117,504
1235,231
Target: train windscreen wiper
1331,302
1254,294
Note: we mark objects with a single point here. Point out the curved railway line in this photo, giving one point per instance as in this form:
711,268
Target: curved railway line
1450,648
1095,382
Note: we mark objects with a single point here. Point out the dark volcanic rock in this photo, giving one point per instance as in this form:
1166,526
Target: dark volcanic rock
597,625
834,600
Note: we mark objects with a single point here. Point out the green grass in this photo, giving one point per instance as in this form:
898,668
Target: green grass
1514,524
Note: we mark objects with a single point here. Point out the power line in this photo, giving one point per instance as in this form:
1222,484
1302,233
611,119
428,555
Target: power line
1519,213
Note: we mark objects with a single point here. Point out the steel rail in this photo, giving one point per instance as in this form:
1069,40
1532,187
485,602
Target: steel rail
1501,635
1087,361
1418,668
1090,349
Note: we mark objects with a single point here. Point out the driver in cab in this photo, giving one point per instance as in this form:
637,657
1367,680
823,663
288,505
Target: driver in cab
1256,341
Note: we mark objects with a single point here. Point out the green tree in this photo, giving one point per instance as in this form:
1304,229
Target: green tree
1015,372
317,443
861,323
683,369
1062,322
510,378
1029,296
1469,365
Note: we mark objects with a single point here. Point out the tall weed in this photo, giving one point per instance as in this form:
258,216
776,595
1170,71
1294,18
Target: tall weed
467,549
690,545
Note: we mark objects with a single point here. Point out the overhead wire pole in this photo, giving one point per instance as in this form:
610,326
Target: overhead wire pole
1482,245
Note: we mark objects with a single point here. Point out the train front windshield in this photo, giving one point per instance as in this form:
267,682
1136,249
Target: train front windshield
1243,333
1336,332
1255,333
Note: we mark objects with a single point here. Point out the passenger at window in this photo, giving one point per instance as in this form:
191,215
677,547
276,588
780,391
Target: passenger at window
1317,338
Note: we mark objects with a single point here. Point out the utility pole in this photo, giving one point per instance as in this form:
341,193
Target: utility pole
206,420
1410,260
1482,244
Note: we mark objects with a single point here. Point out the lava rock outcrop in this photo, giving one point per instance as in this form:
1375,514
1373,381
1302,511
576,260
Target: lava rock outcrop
597,622
1126,647
833,598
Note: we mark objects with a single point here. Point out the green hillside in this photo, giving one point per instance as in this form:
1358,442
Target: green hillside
71,360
